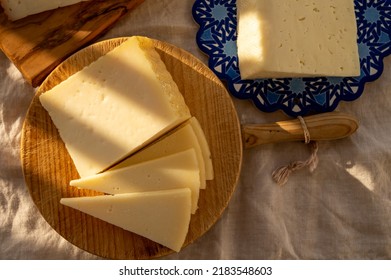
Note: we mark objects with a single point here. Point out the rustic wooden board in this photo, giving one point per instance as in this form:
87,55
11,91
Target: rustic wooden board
38,43
48,168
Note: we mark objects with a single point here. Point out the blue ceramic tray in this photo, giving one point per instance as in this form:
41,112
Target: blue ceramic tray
299,96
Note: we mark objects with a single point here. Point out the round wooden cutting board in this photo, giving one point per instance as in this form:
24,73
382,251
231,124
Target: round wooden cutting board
48,167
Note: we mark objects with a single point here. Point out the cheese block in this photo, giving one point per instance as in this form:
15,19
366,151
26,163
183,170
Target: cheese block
282,39
161,216
115,106
17,9
179,170
182,138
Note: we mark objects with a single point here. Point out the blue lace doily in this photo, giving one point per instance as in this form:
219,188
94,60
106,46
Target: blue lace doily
299,96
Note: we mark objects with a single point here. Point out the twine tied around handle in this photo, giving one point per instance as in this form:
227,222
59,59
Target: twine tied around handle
281,174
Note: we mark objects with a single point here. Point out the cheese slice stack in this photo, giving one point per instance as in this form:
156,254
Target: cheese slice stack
179,170
187,136
162,216
285,38
17,9
196,126
115,106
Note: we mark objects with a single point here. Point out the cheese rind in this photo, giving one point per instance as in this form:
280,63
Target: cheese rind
282,39
179,170
19,9
161,216
182,138
115,106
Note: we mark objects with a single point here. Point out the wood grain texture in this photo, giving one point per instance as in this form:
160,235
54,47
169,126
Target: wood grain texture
48,168
38,43
321,127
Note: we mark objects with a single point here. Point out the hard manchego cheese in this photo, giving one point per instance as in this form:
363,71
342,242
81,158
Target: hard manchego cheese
17,9
161,216
209,172
184,137
282,39
115,106
179,170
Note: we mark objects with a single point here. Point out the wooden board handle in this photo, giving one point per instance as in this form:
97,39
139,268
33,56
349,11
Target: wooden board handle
325,126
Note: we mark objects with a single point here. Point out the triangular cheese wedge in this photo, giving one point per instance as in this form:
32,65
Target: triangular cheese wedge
180,139
179,170
195,124
115,106
161,216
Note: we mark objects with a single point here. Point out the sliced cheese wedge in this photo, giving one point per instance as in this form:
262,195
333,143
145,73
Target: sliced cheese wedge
115,106
161,216
182,138
179,170
15,9
283,39
209,172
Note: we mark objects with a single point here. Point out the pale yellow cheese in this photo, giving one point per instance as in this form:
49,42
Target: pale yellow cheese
161,216
189,135
179,170
17,9
120,103
209,171
286,38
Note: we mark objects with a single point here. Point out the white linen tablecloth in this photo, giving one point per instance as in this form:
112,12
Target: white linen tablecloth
342,210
